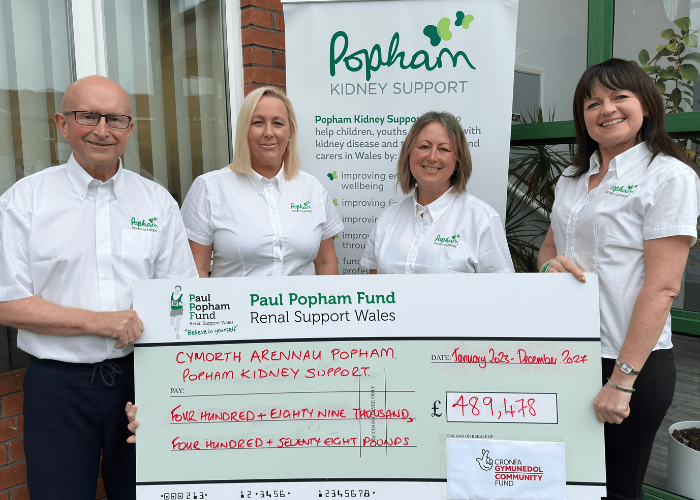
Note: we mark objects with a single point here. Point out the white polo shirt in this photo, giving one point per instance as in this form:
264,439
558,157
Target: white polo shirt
259,226
604,231
458,233
78,242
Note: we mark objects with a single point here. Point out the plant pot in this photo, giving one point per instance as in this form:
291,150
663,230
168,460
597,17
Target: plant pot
683,465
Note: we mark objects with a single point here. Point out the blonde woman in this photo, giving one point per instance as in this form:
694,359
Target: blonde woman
261,215
439,228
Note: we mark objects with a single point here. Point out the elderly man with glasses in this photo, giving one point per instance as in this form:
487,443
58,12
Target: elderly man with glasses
73,239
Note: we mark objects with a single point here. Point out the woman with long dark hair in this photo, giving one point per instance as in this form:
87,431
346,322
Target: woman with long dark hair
626,210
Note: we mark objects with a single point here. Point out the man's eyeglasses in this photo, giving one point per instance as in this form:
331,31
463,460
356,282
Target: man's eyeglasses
91,119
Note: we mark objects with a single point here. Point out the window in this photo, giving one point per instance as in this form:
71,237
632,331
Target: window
169,56
35,70
550,55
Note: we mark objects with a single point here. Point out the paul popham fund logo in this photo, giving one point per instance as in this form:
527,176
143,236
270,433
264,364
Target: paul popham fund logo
623,191
508,471
201,313
301,207
145,225
444,241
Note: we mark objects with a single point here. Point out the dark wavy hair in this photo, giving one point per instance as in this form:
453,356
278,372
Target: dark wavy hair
616,74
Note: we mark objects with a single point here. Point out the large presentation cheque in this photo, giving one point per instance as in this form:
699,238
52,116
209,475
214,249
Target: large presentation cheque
362,387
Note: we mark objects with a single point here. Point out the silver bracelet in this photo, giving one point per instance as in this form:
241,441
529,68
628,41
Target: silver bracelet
619,388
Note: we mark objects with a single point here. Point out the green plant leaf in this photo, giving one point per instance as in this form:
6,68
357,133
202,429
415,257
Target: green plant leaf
676,97
692,40
661,87
681,48
659,48
671,46
683,23
643,56
650,70
692,56
662,51
668,34
668,73
685,99
689,72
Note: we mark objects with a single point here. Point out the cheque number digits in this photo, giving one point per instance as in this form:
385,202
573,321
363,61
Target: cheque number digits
187,495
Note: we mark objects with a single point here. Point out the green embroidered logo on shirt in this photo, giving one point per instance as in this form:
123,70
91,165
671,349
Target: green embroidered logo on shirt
142,225
452,241
623,191
301,207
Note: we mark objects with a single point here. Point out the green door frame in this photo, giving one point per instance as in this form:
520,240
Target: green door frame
601,28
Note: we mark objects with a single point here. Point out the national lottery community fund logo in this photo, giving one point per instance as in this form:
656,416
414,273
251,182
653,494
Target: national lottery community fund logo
509,471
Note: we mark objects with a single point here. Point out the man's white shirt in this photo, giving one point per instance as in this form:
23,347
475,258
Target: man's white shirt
604,231
457,233
78,242
259,226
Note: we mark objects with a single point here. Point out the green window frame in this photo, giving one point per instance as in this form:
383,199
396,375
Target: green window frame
601,17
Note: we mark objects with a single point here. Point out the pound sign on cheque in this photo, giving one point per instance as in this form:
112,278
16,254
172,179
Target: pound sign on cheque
435,409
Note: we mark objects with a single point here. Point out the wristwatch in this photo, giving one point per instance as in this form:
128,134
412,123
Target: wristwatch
626,368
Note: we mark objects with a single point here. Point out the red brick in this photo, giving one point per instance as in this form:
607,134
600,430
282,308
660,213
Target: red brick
279,22
256,17
100,489
3,455
12,404
267,76
11,382
20,493
11,428
257,36
13,475
16,450
255,55
275,5
249,87
3,496
280,60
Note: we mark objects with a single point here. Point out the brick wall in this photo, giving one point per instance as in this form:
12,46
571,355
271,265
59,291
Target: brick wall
13,467
262,38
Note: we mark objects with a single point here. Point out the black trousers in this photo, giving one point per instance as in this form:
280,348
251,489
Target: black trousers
628,445
70,414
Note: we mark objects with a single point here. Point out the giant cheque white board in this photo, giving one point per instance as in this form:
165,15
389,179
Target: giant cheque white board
322,387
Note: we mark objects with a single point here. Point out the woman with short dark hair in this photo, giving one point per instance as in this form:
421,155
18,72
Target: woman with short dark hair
626,210
440,228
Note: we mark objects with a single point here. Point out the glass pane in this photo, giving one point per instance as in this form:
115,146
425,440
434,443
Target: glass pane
662,35
35,70
550,57
168,55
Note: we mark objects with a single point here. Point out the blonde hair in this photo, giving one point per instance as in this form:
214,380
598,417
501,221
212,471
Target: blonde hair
241,156
463,167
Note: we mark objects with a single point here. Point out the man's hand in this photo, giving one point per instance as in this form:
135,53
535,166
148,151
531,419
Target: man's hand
123,326
133,423
611,405
39,316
